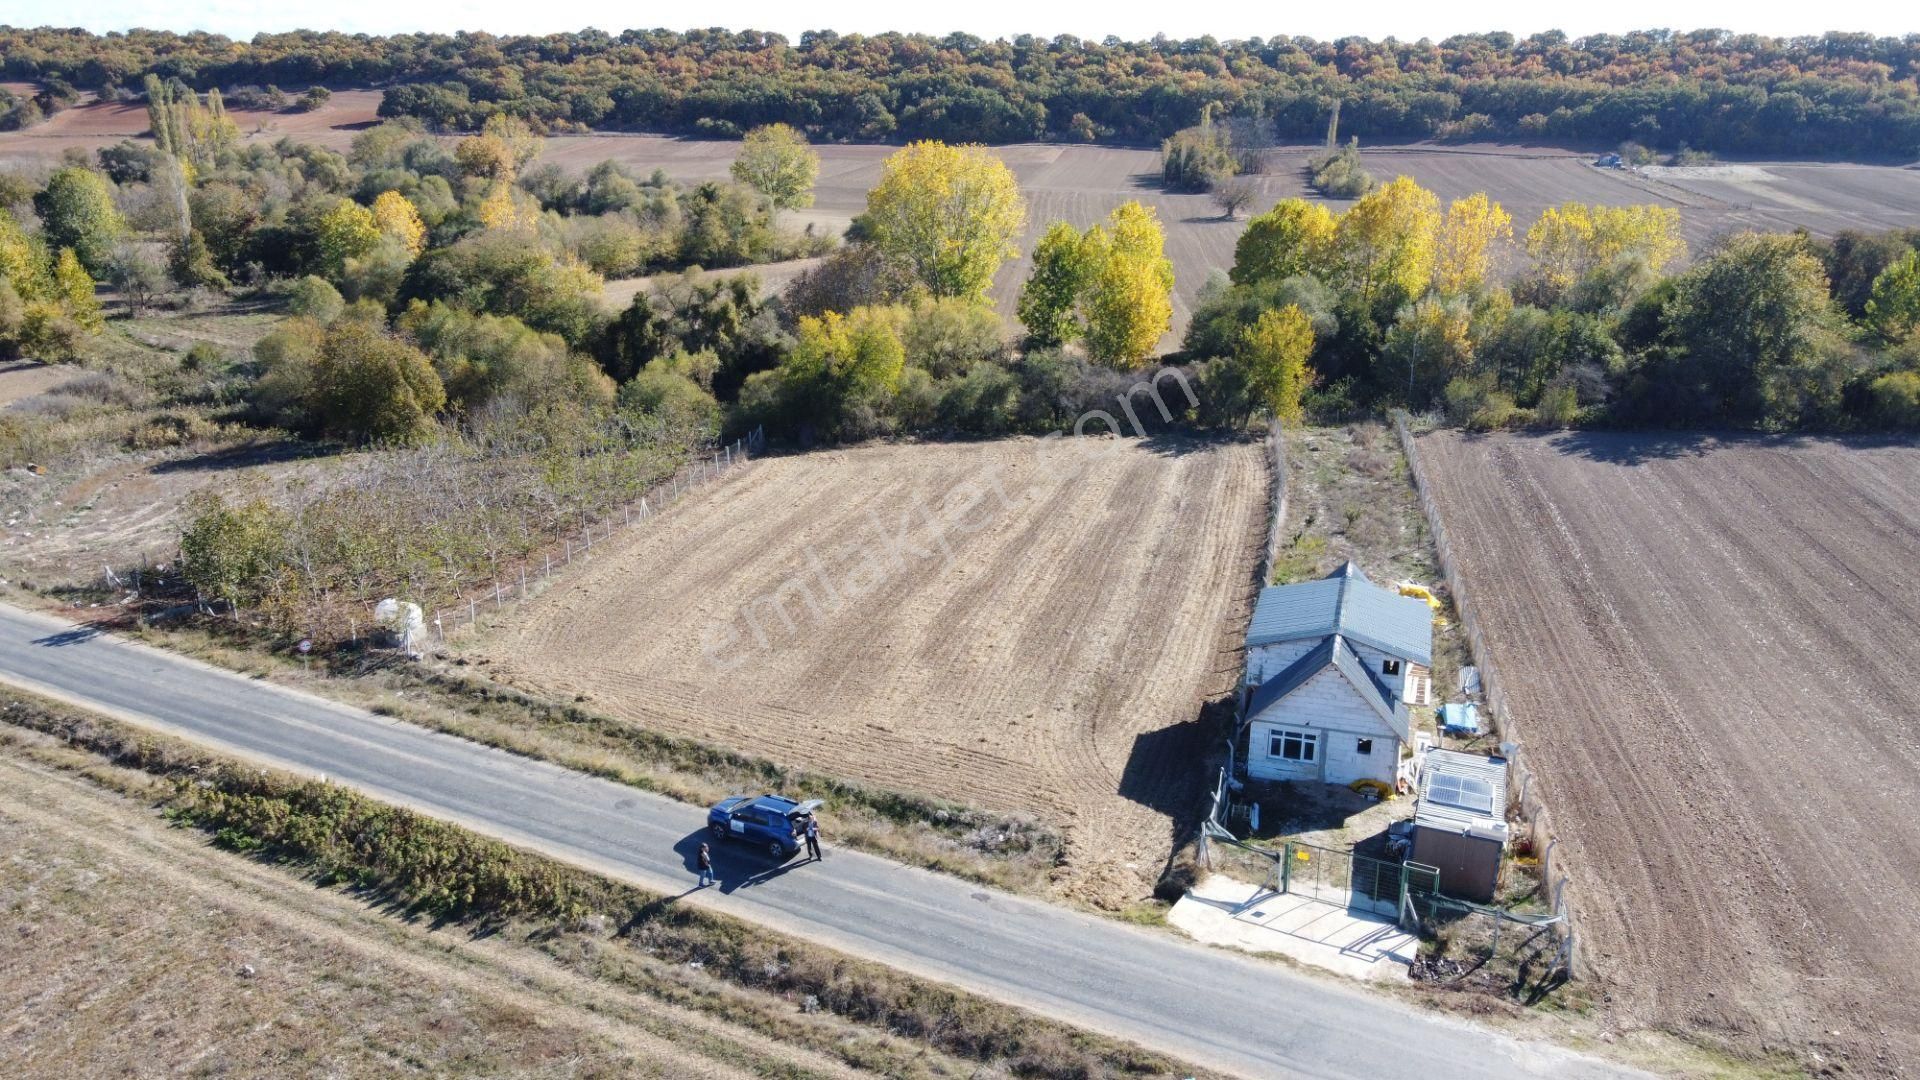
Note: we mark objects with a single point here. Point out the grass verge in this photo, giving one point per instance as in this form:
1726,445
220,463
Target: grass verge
425,867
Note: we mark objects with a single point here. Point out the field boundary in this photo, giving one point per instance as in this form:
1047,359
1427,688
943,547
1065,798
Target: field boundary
1522,790
1276,503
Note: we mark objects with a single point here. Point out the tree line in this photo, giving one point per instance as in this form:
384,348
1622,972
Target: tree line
1837,93
1580,319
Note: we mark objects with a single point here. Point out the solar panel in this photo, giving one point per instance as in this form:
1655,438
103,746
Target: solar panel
1467,793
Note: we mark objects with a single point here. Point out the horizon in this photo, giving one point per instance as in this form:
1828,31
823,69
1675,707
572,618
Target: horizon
992,20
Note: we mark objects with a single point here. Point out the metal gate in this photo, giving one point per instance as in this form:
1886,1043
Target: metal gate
1342,878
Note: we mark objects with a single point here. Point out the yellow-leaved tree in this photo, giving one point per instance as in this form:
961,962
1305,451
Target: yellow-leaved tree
1573,238
947,215
1129,296
346,231
1273,360
398,220
1295,237
1474,237
1386,243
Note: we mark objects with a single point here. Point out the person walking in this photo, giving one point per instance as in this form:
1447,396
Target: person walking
813,837
706,866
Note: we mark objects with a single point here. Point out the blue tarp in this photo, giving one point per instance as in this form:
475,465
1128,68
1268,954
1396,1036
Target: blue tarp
1460,716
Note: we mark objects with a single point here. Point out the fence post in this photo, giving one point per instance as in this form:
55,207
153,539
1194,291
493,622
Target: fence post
473,611
569,551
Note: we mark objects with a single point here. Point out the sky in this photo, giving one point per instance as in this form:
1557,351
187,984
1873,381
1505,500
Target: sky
1407,20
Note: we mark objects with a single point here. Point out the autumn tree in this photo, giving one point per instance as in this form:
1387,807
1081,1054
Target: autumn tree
844,368
397,220
514,134
776,161
1433,343
1473,237
73,286
1112,285
1295,237
345,231
1049,301
1129,293
1893,307
1273,357
1386,243
1574,239
77,212
948,214
368,386
485,157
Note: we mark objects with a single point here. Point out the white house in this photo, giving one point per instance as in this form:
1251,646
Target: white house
1331,667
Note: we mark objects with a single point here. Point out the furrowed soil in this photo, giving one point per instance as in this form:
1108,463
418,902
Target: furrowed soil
1709,645
135,949
1055,663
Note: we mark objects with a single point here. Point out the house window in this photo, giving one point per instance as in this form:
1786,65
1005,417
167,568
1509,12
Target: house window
1364,746
1389,667
1293,745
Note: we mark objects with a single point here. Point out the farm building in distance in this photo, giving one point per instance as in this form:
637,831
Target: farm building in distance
1460,821
1331,667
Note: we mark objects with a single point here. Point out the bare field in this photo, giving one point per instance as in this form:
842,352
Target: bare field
1055,664
102,123
1711,645
135,949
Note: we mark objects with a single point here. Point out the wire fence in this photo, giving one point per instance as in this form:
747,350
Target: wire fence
463,614
1276,504
1536,828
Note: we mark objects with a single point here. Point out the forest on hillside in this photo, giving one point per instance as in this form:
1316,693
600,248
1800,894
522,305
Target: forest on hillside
1835,94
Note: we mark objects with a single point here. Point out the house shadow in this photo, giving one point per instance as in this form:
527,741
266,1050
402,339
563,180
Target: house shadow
1164,772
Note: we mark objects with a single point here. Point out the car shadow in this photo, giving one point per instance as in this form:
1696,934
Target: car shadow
735,866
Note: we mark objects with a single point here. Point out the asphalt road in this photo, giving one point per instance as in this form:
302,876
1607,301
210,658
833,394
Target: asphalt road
1211,1007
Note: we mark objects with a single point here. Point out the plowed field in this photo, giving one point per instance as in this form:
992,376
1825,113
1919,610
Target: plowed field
1711,646
1046,648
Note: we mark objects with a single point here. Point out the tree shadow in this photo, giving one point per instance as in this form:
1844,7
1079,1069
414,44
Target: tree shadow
244,456
1630,448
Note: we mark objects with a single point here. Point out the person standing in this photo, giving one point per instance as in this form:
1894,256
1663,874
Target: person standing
706,866
813,837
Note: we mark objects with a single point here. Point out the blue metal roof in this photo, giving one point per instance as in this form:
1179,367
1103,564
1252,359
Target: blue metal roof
1334,652
1344,603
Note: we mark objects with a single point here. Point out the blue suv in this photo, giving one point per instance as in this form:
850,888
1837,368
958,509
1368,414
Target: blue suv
770,821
